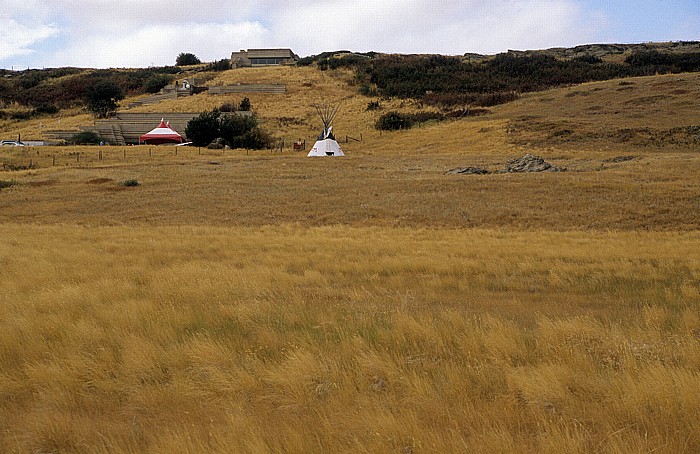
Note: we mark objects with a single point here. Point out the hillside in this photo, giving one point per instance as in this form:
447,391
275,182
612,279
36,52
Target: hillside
398,178
184,299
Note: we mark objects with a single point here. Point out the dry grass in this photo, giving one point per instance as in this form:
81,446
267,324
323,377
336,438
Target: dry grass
348,339
378,183
265,302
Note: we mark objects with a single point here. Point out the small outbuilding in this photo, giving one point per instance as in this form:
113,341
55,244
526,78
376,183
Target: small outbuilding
163,134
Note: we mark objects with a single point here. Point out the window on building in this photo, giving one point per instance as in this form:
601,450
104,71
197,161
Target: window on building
266,61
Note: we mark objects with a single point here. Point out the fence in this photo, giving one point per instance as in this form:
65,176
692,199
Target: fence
24,158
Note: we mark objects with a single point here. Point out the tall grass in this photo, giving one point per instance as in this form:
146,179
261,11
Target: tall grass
177,339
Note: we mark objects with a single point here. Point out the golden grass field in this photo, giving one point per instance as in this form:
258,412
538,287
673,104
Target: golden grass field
266,302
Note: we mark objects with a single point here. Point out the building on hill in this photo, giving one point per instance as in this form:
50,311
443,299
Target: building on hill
263,57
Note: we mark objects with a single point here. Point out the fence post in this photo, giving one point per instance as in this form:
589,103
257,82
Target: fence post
53,161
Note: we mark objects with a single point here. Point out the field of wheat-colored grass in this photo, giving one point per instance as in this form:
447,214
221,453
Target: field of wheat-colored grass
348,339
258,301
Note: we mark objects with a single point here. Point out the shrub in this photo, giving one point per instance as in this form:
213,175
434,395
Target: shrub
244,105
590,59
235,130
373,105
306,61
255,139
220,65
392,121
130,183
187,59
46,109
7,183
228,107
21,114
85,138
156,83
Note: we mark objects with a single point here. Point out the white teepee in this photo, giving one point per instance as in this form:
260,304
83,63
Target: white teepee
326,144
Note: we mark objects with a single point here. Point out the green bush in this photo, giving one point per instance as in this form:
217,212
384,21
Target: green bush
244,105
392,121
46,109
373,105
85,138
187,59
220,65
228,107
130,183
156,83
203,128
237,131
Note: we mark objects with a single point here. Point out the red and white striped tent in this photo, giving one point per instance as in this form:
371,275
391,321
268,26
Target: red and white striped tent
160,135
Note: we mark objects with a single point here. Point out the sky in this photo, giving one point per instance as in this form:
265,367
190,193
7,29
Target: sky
143,33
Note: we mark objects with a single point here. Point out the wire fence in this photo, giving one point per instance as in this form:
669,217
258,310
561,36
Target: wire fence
36,157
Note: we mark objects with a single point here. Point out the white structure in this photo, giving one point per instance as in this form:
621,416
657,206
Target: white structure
326,144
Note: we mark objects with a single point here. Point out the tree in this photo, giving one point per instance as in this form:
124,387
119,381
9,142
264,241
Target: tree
203,128
236,131
187,59
102,98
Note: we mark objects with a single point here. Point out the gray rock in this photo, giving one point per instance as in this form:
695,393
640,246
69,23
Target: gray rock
530,163
467,171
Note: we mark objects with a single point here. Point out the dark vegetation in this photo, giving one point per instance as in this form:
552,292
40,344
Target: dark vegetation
230,129
219,65
7,183
337,59
243,106
156,82
85,138
187,59
47,91
101,99
444,82
393,121
451,81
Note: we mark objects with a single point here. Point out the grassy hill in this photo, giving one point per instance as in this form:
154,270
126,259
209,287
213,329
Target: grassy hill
263,301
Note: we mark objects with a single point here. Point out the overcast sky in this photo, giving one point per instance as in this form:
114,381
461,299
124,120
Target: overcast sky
141,33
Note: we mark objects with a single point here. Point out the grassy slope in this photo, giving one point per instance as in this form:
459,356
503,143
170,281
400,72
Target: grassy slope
276,303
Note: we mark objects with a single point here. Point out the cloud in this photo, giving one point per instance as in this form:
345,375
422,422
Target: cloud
19,39
423,26
157,45
104,33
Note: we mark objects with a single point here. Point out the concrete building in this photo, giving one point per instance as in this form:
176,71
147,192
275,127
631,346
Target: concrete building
263,57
